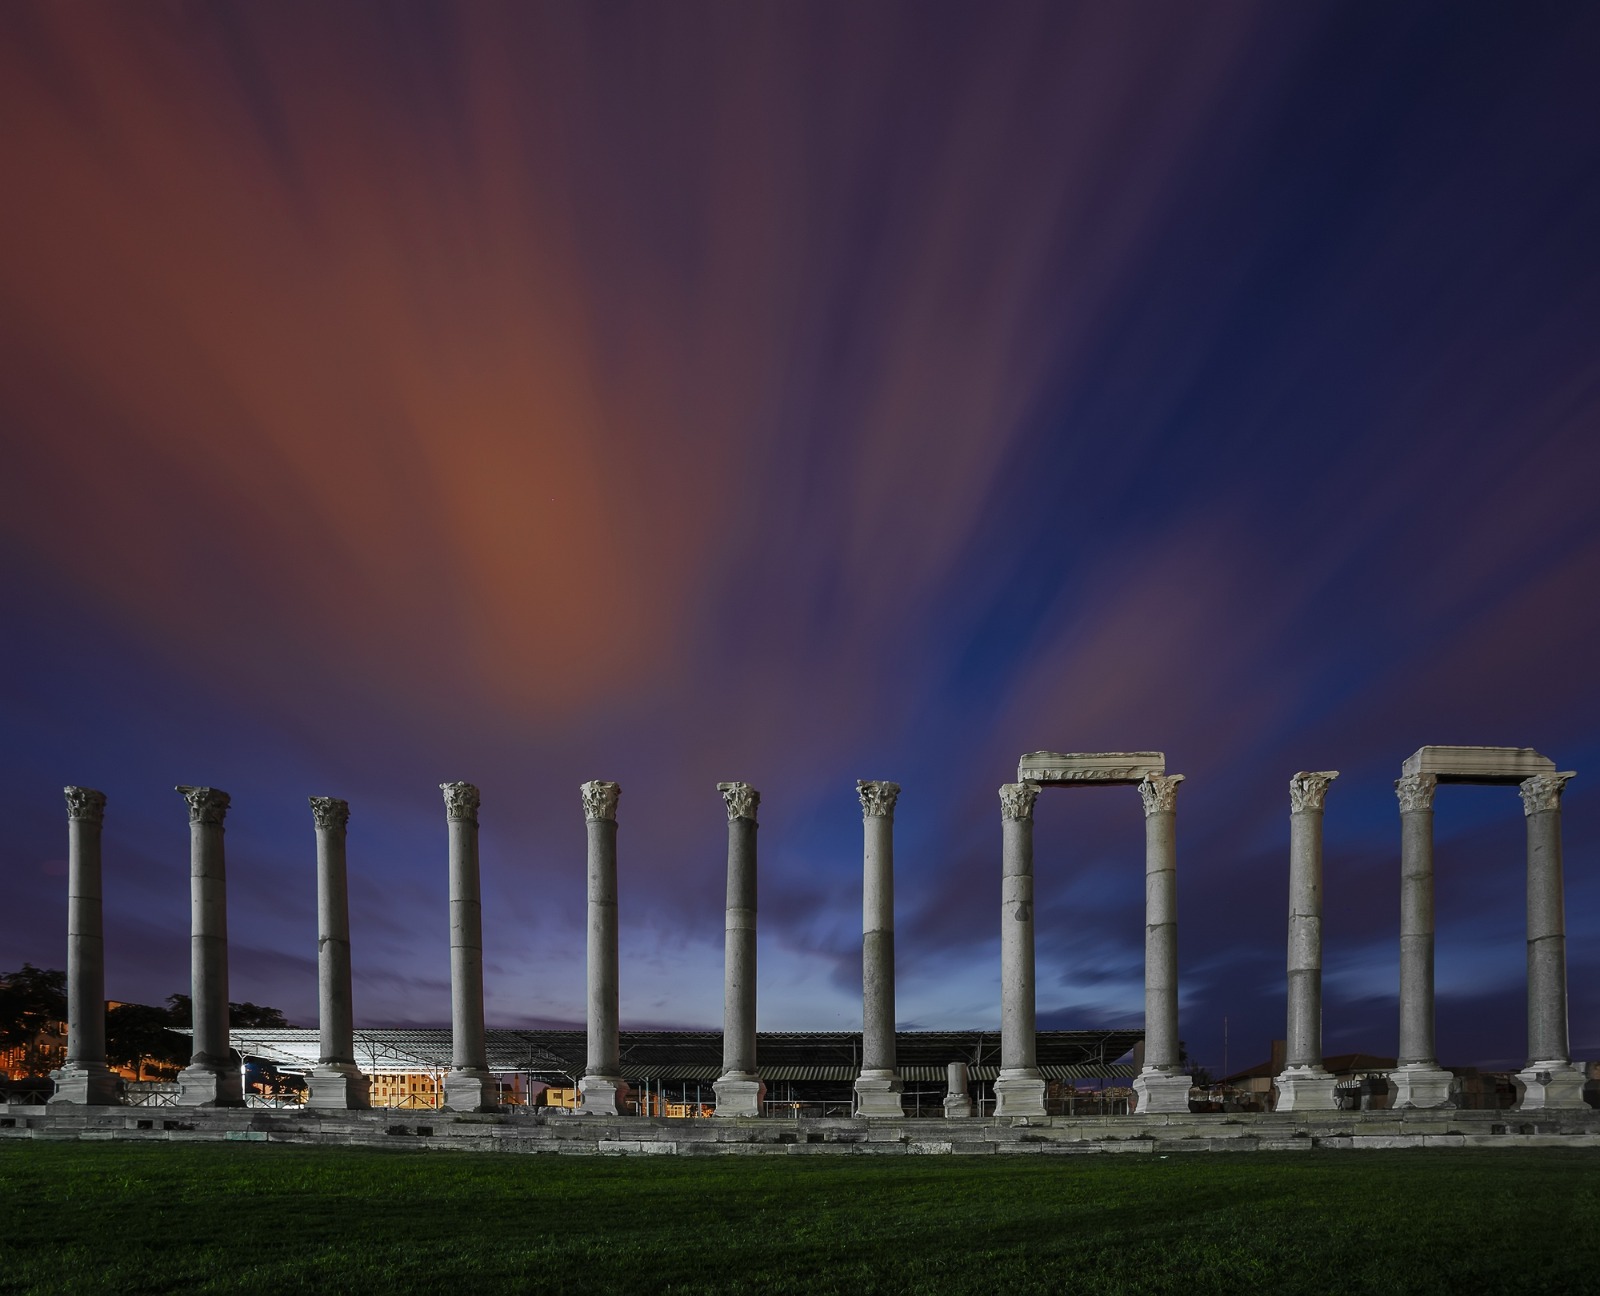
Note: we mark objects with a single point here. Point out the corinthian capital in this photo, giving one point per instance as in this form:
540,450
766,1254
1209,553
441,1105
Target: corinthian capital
85,804
1159,792
600,799
1016,799
1416,792
461,801
330,813
877,798
742,800
1543,791
206,805
1308,790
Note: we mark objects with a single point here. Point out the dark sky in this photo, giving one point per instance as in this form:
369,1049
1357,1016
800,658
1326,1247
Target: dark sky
798,393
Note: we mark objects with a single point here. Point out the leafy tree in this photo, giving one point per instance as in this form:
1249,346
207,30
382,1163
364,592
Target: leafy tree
31,1000
181,1012
140,1033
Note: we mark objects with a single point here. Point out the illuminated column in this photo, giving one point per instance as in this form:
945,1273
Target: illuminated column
212,1078
1304,1085
469,1086
84,1077
1418,1079
878,1086
1550,1080
602,1087
336,1083
1160,1085
739,1089
1019,1090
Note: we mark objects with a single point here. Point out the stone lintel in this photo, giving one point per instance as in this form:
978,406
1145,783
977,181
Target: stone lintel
1089,767
1504,765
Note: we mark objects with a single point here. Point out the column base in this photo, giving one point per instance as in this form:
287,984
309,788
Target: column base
338,1086
204,1084
1161,1091
1549,1086
86,1083
878,1094
739,1093
1019,1092
603,1096
1422,1085
957,1107
470,1089
1306,1088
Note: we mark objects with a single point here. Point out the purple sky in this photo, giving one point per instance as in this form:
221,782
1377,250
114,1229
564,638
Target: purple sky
797,394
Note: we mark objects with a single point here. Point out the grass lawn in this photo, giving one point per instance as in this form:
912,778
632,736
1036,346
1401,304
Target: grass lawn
120,1217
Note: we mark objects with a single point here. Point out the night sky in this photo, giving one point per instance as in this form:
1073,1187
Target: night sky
798,393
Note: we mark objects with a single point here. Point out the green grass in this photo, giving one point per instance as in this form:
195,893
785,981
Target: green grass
126,1218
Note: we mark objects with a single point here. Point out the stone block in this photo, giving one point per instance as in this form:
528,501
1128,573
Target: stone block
1478,764
338,1088
1302,1089
1420,1085
1089,767
879,1095
1550,1086
957,1107
602,1096
1161,1091
203,1085
1019,1095
88,1086
471,1090
739,1094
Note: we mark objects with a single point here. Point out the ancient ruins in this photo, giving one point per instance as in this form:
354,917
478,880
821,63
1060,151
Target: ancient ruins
1551,1081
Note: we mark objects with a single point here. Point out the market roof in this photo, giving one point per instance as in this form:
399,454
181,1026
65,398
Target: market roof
697,1055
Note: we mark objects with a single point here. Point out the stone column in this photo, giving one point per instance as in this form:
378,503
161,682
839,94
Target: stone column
1161,1086
468,1086
1418,1079
1303,1084
878,1086
602,1087
1550,1080
84,1077
957,1101
336,1083
739,1090
1019,1089
212,1077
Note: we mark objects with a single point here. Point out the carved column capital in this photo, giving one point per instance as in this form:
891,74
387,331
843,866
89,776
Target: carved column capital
86,805
330,813
1415,792
600,800
1543,791
206,805
877,798
461,801
1308,790
742,800
1159,792
1016,799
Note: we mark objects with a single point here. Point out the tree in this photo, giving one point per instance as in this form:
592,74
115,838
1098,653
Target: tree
140,1033
32,1001
261,1017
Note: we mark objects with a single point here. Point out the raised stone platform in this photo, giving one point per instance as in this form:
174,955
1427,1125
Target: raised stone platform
591,1135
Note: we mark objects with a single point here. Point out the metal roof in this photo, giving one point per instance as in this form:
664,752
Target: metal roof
697,1055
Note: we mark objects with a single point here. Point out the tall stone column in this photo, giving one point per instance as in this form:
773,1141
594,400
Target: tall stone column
602,1087
1161,1086
1304,1084
1418,1079
1019,1089
84,1077
957,1101
336,1083
1550,1080
739,1090
878,1086
468,1086
212,1078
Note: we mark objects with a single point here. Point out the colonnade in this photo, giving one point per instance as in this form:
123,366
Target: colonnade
1550,1080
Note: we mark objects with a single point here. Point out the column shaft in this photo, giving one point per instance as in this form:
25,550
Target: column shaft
336,1083
1304,1085
212,1077
1547,933
1019,1088
603,1090
1416,937
1162,1085
739,1089
878,1086
469,1086
84,1076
